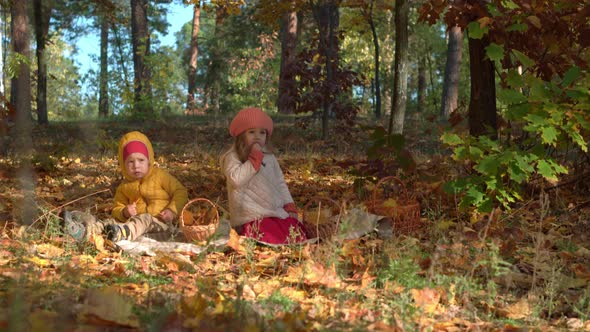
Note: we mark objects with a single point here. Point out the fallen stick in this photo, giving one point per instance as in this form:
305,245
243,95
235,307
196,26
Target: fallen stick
66,204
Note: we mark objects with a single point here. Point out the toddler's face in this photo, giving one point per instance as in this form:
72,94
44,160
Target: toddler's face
137,165
255,135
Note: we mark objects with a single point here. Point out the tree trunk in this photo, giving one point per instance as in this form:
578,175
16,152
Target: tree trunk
141,50
421,84
482,106
25,208
400,82
450,89
287,82
121,58
103,97
214,69
327,17
377,68
42,12
194,53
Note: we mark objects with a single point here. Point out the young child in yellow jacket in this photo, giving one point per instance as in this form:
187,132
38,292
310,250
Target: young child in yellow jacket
147,201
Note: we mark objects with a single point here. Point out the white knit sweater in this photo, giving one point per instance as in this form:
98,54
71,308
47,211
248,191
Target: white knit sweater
254,194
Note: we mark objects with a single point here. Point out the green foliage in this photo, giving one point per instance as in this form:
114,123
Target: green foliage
552,114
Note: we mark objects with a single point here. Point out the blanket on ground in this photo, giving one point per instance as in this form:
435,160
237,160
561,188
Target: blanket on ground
354,224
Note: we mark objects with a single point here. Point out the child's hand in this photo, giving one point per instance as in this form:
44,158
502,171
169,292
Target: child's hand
256,147
130,210
166,215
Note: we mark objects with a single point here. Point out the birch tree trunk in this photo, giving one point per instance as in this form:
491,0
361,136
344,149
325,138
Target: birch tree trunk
450,89
400,82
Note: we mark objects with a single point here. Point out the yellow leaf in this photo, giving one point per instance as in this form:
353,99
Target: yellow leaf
234,242
391,202
47,250
426,298
39,261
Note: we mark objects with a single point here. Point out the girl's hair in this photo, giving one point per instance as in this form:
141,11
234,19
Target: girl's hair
243,151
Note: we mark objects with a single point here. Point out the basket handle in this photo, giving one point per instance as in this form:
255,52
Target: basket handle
197,200
388,178
325,199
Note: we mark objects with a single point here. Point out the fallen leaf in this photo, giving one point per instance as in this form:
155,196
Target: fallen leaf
427,299
234,242
107,307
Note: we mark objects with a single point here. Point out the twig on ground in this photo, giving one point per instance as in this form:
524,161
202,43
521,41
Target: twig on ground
66,204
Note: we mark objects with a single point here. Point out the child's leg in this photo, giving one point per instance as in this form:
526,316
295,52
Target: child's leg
137,226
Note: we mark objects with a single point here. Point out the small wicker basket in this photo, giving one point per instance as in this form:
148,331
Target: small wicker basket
404,213
318,225
201,226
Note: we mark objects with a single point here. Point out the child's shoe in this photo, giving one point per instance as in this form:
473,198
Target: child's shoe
72,227
117,233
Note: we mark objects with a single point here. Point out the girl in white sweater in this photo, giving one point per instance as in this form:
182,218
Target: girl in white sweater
260,204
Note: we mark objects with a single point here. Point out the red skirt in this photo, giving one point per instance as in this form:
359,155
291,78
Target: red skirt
274,230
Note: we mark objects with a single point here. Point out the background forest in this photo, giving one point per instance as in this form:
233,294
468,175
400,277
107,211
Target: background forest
480,107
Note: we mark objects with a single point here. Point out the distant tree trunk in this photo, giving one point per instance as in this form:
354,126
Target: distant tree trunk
2,50
121,58
376,59
194,53
400,83
482,105
287,82
22,102
103,95
328,19
141,49
450,89
213,84
42,12
421,84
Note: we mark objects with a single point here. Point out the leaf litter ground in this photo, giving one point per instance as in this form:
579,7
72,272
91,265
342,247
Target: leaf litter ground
524,268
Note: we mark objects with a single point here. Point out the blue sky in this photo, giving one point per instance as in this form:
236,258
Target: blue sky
178,15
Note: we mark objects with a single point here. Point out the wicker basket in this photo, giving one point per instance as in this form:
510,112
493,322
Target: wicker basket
201,226
404,213
318,226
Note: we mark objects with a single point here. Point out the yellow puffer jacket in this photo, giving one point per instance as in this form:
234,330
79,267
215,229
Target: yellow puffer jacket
157,191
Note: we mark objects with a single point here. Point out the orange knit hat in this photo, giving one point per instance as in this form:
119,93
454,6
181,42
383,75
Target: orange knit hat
247,118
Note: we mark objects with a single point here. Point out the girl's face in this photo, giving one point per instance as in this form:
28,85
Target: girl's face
137,165
255,135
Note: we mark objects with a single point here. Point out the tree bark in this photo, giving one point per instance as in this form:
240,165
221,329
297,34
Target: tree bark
287,82
377,66
194,53
141,50
103,97
482,105
42,12
450,89
421,84
400,82
25,208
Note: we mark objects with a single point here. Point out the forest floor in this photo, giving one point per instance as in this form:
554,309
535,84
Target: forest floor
527,268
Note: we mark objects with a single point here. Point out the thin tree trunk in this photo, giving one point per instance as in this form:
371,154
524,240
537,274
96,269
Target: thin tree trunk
194,53
141,50
377,66
121,59
42,12
450,93
400,83
482,105
421,84
287,82
26,207
103,97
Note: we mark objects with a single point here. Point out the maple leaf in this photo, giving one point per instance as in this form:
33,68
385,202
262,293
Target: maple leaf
107,307
234,242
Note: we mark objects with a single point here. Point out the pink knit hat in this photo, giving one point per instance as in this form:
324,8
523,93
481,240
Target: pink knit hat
135,146
251,117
